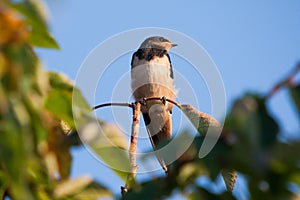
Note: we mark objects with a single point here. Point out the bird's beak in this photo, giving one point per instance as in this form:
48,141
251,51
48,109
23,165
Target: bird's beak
174,45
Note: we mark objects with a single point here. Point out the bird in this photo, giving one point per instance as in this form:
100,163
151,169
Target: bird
152,76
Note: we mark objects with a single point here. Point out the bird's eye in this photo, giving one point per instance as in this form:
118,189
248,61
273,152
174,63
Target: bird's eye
162,39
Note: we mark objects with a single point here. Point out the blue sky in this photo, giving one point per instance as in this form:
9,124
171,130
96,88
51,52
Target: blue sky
254,45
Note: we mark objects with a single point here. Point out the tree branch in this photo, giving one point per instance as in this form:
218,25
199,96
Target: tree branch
286,81
113,104
136,108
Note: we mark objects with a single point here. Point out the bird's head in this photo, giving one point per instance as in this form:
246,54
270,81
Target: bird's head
158,43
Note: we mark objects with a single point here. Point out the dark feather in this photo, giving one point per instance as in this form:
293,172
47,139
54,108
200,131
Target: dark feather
149,53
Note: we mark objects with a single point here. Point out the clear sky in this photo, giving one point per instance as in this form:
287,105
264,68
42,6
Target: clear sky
253,43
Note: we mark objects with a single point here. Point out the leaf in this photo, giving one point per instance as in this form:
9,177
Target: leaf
65,101
154,189
202,193
251,132
44,39
60,82
108,142
4,182
93,191
229,177
13,28
59,103
295,94
252,123
190,171
33,11
83,187
71,186
35,16
200,120
59,155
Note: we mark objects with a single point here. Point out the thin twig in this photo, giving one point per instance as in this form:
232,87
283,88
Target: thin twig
286,81
131,105
112,104
159,98
136,107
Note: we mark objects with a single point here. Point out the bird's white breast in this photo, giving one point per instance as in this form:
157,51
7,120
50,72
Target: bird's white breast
152,78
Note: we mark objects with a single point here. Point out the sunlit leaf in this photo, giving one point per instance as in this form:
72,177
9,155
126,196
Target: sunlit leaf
93,191
229,177
43,39
33,11
190,171
13,28
59,103
62,83
58,154
80,188
71,186
35,16
108,142
200,120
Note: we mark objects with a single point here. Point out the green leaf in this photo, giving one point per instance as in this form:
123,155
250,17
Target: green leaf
295,94
229,177
200,120
60,82
190,171
251,132
65,101
80,188
43,39
71,186
35,16
59,157
3,184
108,142
203,194
21,59
59,103
34,12
252,123
93,191
79,101
154,189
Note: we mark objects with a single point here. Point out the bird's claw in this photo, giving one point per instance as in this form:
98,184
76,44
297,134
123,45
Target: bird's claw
163,99
143,101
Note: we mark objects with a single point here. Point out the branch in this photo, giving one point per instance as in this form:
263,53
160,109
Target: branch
286,81
142,101
136,108
132,149
163,99
113,104
134,136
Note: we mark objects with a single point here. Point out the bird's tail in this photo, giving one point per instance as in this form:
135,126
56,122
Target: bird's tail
158,134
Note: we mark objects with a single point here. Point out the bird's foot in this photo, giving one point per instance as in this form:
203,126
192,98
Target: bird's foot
143,101
163,99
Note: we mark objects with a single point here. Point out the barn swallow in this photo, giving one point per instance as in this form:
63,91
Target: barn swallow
152,76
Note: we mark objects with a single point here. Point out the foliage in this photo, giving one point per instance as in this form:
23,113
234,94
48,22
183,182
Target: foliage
35,158
36,114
